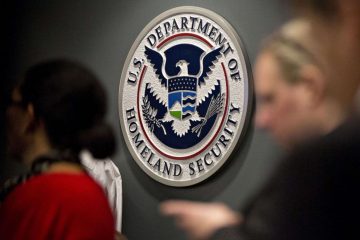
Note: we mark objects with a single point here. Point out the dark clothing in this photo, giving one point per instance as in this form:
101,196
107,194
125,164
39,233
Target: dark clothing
315,193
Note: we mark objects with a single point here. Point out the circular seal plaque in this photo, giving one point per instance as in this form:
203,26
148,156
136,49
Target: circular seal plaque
184,95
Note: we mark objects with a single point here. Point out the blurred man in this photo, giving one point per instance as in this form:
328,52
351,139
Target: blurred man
313,195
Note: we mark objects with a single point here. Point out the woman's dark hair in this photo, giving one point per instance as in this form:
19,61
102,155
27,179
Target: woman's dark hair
71,102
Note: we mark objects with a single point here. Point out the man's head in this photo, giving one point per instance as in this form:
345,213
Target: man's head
290,88
335,27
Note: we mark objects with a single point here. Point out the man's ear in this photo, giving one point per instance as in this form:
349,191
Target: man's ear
314,83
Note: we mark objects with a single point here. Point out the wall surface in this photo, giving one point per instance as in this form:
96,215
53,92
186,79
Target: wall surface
100,34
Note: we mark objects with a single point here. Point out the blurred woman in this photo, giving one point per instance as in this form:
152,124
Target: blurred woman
57,111
293,107
291,87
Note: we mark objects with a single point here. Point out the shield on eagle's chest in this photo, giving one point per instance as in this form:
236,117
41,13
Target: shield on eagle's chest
182,96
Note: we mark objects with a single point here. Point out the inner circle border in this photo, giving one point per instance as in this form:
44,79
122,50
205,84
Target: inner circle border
203,148
248,86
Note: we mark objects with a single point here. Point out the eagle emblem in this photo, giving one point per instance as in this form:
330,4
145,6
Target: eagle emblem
184,100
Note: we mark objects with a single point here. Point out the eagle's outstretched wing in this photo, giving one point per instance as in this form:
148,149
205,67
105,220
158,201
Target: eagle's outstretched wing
207,89
208,62
157,62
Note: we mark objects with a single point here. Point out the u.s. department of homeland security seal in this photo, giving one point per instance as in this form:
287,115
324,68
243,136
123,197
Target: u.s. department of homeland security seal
184,95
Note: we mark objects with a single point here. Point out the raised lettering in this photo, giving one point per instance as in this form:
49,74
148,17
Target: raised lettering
175,26
200,165
133,127
203,28
157,164
151,40
167,27
192,170
177,170
167,168
136,140
193,21
215,152
227,49
224,141
184,22
206,157
130,114
145,152
159,34
213,32
132,77
234,108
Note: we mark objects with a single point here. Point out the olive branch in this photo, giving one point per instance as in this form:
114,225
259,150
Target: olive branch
150,115
215,106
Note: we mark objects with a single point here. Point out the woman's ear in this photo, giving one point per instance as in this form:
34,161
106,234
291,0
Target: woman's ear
32,122
314,84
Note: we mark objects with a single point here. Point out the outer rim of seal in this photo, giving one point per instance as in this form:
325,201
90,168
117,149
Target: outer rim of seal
248,95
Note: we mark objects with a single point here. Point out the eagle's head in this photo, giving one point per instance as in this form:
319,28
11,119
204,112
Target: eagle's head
183,65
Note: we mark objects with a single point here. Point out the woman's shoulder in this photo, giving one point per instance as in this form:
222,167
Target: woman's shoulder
59,187
68,192
67,203
64,183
